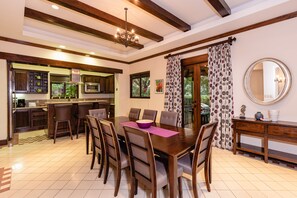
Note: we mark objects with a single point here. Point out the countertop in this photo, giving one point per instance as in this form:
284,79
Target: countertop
73,101
37,107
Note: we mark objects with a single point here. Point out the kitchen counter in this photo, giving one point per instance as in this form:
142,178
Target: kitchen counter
37,107
73,101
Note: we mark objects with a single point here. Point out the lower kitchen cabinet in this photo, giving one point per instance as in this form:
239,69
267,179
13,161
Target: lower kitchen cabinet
29,119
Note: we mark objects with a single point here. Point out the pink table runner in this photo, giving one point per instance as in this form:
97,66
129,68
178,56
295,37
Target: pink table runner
153,130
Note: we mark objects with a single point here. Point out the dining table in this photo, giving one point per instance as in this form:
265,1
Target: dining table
171,146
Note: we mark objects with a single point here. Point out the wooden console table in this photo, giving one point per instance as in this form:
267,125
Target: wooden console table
286,132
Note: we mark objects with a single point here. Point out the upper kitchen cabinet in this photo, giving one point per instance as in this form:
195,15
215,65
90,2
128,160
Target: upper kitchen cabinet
106,83
20,81
30,81
109,84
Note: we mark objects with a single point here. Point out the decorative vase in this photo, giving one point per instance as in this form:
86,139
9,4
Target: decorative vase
258,115
273,114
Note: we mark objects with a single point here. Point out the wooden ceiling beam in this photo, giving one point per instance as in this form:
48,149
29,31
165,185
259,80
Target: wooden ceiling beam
220,6
103,16
33,14
161,13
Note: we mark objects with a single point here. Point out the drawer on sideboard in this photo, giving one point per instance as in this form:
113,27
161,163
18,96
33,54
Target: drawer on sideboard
252,127
290,132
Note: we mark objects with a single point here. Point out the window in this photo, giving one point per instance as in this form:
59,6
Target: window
61,88
140,85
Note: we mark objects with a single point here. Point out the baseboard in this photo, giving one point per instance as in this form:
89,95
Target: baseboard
3,142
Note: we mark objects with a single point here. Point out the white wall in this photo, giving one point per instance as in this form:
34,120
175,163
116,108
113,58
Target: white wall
121,87
278,41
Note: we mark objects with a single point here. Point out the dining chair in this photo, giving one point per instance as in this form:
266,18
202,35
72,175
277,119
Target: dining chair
169,118
99,114
113,153
143,165
150,114
97,143
134,113
194,162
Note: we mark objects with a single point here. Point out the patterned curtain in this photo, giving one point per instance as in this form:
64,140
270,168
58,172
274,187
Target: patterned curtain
173,92
221,93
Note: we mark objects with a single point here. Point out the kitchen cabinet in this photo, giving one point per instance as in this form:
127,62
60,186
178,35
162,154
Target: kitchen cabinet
25,81
106,83
29,119
109,88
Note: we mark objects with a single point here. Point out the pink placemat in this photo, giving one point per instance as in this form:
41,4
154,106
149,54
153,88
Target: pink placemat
152,130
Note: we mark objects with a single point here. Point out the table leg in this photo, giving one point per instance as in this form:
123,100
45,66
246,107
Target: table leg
87,138
234,142
172,175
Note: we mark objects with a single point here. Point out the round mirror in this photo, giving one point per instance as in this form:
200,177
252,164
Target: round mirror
267,81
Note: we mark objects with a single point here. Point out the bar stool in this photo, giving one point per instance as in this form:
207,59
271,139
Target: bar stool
63,113
83,110
106,106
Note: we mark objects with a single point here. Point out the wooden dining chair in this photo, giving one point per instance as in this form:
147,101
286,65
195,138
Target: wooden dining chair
150,114
143,165
194,162
113,153
97,143
169,118
134,113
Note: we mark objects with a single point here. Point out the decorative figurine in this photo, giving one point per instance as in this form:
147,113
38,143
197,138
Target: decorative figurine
242,110
259,115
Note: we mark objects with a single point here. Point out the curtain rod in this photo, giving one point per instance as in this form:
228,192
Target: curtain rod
229,40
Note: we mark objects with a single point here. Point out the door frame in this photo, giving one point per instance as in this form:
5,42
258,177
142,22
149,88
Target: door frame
187,62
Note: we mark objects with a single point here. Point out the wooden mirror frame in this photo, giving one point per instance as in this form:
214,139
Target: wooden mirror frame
284,91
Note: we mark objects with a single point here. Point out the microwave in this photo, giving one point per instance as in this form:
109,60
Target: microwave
92,87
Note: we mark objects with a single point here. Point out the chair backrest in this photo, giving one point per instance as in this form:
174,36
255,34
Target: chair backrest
134,113
168,118
106,106
141,155
63,112
111,144
149,114
203,145
98,113
95,131
83,109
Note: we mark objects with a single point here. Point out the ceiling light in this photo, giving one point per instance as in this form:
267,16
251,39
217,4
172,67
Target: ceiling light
62,46
55,7
126,37
93,53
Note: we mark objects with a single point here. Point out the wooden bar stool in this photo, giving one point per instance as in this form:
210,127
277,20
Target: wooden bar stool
63,113
83,111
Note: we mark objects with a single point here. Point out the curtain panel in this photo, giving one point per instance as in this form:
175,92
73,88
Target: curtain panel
221,93
173,91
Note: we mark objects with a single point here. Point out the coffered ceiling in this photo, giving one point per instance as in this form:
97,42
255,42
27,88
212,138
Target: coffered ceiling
88,26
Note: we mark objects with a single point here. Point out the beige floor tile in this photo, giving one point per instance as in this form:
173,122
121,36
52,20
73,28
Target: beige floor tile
34,194
64,193
85,185
225,194
58,185
71,185
240,194
78,193
93,193
20,193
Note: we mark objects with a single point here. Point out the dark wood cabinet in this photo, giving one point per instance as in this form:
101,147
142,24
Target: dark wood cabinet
29,119
20,81
106,83
286,132
30,81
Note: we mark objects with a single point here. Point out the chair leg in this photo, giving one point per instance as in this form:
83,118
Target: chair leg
118,181
180,187
154,192
70,129
194,185
77,128
55,132
106,168
206,175
132,191
87,133
93,158
209,169
136,187
101,164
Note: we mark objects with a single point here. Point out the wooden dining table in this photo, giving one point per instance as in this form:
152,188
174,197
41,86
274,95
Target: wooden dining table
171,147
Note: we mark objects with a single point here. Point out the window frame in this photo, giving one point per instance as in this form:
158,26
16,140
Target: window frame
61,79
139,76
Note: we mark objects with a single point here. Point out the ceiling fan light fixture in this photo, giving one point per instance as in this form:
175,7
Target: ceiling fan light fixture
126,37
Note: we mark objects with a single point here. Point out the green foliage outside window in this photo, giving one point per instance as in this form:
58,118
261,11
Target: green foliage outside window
140,85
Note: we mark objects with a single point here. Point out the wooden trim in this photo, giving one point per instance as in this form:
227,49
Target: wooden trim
223,35
3,142
103,16
46,18
194,60
162,14
221,7
56,63
9,98
55,48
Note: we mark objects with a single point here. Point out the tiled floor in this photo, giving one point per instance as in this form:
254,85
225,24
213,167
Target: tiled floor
44,169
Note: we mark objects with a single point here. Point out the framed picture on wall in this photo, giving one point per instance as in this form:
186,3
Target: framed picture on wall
159,86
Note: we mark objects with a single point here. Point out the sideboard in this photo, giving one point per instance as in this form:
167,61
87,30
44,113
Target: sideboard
285,132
